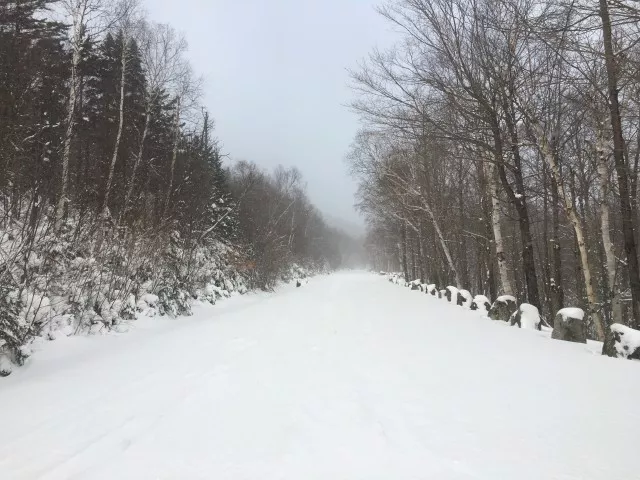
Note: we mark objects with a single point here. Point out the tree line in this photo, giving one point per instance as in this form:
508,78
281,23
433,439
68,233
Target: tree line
500,148
112,183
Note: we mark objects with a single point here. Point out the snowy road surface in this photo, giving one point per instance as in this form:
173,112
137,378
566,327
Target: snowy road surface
350,377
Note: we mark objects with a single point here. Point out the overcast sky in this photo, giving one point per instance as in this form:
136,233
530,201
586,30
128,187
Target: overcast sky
276,80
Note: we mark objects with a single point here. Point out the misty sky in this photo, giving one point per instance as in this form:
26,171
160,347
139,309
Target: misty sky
276,80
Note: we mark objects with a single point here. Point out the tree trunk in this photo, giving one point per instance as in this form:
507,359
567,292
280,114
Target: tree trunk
613,293
174,156
137,161
496,223
76,57
443,243
116,147
520,202
557,287
626,212
577,228
403,252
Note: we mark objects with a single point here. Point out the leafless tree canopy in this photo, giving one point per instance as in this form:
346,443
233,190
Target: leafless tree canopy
499,151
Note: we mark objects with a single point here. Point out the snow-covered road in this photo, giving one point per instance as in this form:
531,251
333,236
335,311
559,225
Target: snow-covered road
350,377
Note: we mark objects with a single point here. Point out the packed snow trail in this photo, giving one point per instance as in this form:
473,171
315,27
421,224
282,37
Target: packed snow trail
350,377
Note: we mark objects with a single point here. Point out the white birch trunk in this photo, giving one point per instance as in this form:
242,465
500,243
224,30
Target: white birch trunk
76,57
496,224
605,227
577,228
116,147
174,156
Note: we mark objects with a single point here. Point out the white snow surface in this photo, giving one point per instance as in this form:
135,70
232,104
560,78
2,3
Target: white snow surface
349,378
506,298
529,316
572,312
468,299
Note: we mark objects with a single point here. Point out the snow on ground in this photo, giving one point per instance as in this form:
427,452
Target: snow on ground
351,377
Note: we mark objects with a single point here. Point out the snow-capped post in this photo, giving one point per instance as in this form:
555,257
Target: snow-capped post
464,298
502,308
481,304
569,326
527,316
622,342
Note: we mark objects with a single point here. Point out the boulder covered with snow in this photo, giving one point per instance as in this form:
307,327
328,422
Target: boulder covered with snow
442,294
526,316
464,298
622,342
570,326
502,308
451,294
480,303
415,284
432,290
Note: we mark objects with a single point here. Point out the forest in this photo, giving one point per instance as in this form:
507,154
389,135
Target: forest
499,151
115,197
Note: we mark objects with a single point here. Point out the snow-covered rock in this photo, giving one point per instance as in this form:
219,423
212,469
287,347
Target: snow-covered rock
502,308
451,294
415,284
622,342
464,298
526,316
481,303
569,326
432,290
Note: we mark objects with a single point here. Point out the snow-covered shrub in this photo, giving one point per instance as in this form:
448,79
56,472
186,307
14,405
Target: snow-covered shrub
570,326
502,308
481,304
527,316
464,298
622,342
415,284
13,328
173,301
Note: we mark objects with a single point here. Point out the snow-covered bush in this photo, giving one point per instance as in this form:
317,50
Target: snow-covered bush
570,326
527,316
622,342
74,281
502,308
